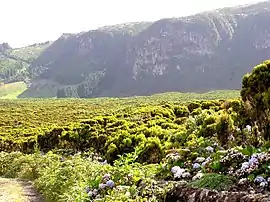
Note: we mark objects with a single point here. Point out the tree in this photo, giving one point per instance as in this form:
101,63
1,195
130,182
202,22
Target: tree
256,95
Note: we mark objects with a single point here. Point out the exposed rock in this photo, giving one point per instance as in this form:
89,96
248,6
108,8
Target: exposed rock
187,194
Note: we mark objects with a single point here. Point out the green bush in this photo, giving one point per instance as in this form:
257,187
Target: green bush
150,151
214,181
256,95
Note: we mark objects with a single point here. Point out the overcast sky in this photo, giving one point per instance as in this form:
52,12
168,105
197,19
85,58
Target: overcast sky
24,22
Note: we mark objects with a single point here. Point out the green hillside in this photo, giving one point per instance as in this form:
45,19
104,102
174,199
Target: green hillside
15,63
12,90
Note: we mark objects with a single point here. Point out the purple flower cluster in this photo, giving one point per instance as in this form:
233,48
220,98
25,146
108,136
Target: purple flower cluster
196,166
91,193
253,163
261,181
106,182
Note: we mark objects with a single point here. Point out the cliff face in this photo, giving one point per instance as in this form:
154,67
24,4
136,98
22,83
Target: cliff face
211,50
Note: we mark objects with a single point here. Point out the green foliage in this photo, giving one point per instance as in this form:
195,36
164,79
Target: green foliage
256,94
15,63
181,111
214,181
224,128
61,178
248,150
150,151
134,135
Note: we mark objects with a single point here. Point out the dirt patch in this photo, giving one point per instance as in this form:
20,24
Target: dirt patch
15,190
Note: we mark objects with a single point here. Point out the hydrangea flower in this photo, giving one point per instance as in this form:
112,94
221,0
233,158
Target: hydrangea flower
198,176
245,166
215,144
106,177
186,175
210,149
87,189
255,155
263,184
104,162
208,159
90,194
259,179
110,184
199,160
179,173
238,129
175,169
248,127
196,165
253,161
242,181
102,186
95,192
268,179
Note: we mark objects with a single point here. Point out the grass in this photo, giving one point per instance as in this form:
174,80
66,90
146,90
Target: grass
214,181
29,52
12,90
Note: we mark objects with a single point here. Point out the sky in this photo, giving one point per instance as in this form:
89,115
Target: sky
25,22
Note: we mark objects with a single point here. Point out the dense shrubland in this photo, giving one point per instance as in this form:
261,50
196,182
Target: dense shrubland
139,150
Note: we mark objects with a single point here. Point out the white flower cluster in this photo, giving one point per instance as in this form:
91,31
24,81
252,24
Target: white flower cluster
248,128
198,176
210,149
179,172
208,160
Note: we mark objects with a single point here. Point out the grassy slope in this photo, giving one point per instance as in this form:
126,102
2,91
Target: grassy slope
14,63
12,90
29,52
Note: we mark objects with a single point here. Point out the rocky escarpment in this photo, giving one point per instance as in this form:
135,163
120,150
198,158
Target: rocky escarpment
210,50
180,193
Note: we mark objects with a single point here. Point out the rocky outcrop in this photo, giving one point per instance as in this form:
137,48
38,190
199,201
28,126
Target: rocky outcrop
187,194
